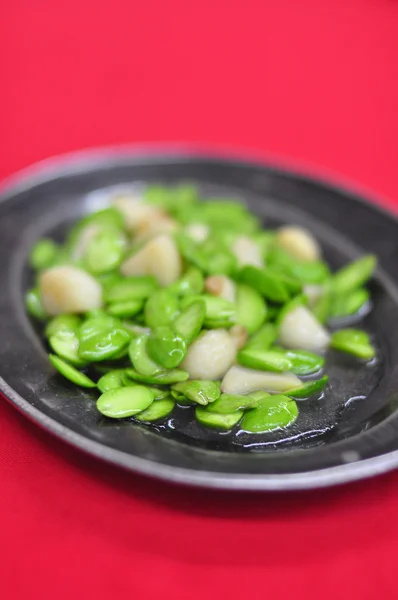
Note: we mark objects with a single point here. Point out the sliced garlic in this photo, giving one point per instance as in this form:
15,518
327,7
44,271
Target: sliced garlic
239,335
299,242
154,225
300,329
222,286
247,252
67,289
198,232
158,257
240,380
136,211
210,355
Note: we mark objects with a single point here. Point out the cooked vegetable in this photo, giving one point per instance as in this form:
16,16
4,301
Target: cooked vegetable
240,380
158,257
299,242
189,322
300,329
140,358
251,309
309,388
67,289
221,421
156,411
354,275
171,299
110,381
354,342
201,392
43,254
166,347
210,355
70,372
275,412
124,402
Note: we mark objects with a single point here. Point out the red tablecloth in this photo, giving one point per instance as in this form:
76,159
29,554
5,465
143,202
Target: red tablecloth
313,81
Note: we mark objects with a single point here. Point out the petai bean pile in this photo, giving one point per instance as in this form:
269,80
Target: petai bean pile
170,299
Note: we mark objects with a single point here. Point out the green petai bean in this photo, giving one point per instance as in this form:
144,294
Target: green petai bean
104,344
62,323
66,345
309,388
354,275
269,285
70,372
275,412
259,396
189,322
158,393
96,324
180,398
162,378
34,305
349,304
263,338
123,402
176,201
230,403
157,410
191,283
140,358
219,312
304,272
264,360
126,309
199,391
217,420
161,308
108,280
251,309
353,341
43,254
111,380
302,362
105,250
166,347
131,289
322,307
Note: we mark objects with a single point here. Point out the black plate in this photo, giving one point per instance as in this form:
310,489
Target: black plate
351,434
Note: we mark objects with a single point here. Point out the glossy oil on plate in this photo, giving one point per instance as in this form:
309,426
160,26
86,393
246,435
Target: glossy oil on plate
350,434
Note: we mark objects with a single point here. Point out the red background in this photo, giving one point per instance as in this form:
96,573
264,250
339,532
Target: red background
311,82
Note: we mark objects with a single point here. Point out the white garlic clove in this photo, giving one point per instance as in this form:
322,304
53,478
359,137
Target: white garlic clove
136,211
299,242
300,329
155,225
210,355
222,286
67,289
241,380
158,257
247,252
